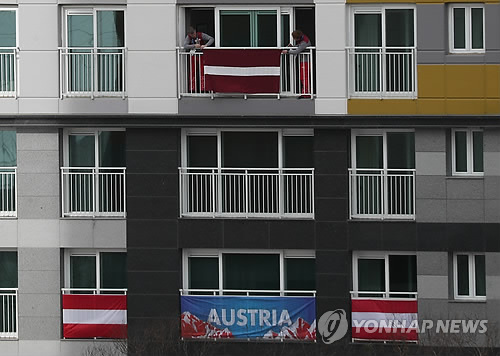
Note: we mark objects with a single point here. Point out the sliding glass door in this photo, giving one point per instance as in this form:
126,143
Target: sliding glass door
248,28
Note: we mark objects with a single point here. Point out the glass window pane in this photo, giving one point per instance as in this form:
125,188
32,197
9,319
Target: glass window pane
7,28
234,29
285,30
461,151
202,151
81,150
8,150
267,29
110,29
463,274
300,274
369,152
367,30
8,269
477,143
113,270
250,149
480,270
203,273
459,28
402,273
401,150
252,271
112,149
298,151
371,275
477,28
80,31
399,28
82,272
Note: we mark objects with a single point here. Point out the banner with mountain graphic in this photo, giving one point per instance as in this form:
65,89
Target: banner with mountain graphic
248,317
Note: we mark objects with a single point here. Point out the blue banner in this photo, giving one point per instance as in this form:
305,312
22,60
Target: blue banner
248,317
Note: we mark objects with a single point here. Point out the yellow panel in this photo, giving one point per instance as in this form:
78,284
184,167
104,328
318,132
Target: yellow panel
493,106
465,107
465,81
431,81
381,107
492,81
431,106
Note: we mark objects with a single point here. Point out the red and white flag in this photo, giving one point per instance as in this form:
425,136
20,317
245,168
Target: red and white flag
248,71
389,320
94,316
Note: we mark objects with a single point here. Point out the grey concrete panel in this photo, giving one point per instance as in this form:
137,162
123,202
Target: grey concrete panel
430,163
45,328
8,232
491,140
432,287
431,57
38,207
432,308
454,58
493,310
40,305
430,140
432,264
430,187
431,27
38,347
251,106
38,185
39,259
44,282
110,233
493,264
492,26
37,141
465,211
491,163
467,310
96,106
9,347
491,187
493,287
77,347
38,233
464,188
38,161
492,57
76,233
492,211
431,210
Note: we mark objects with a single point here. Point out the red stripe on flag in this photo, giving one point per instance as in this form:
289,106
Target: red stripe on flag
384,306
248,85
387,334
242,57
86,331
96,302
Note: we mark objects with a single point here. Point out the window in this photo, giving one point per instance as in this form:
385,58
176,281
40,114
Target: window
384,275
8,51
469,276
8,162
467,152
466,28
8,294
239,272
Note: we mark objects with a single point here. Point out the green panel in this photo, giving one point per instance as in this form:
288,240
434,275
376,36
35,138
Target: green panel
235,29
203,273
80,31
459,28
402,273
7,28
202,151
477,145
112,149
251,271
463,274
8,269
267,24
368,30
477,28
8,150
110,29
371,275
480,274
113,270
399,28
82,150
461,151
401,150
300,274
369,152
83,272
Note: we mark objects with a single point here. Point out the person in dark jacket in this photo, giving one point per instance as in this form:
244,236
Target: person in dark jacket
301,43
196,41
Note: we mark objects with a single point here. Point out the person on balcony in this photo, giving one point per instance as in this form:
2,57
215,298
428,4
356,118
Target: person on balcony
196,41
301,42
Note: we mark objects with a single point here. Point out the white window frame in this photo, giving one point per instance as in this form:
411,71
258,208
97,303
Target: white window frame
468,28
472,277
373,255
217,253
470,153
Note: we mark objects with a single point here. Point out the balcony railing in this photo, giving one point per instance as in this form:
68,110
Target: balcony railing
8,313
382,72
93,191
94,291
8,72
8,192
247,192
295,70
248,292
382,193
93,72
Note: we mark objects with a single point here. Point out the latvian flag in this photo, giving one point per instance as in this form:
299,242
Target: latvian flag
94,316
388,320
248,71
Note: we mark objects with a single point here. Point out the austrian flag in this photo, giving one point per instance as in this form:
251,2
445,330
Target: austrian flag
248,71
94,316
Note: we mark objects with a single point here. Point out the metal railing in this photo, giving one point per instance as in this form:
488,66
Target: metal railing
296,73
92,71
8,72
9,316
383,295
382,193
382,72
247,192
89,191
8,192
248,292
95,291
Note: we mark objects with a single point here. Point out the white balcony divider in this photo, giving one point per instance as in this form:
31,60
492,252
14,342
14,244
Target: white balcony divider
382,72
95,291
9,316
93,71
8,72
89,191
8,192
382,193
191,79
249,292
247,192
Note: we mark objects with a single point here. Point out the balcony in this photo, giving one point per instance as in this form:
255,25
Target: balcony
92,72
8,72
93,192
8,313
247,192
8,192
382,193
382,72
296,74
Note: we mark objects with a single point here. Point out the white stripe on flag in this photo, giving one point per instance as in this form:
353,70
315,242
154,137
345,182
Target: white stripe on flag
242,71
91,316
377,317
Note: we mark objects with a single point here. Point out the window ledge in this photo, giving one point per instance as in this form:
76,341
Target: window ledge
468,300
465,176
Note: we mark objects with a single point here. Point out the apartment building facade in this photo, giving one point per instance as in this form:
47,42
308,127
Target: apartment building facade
133,193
